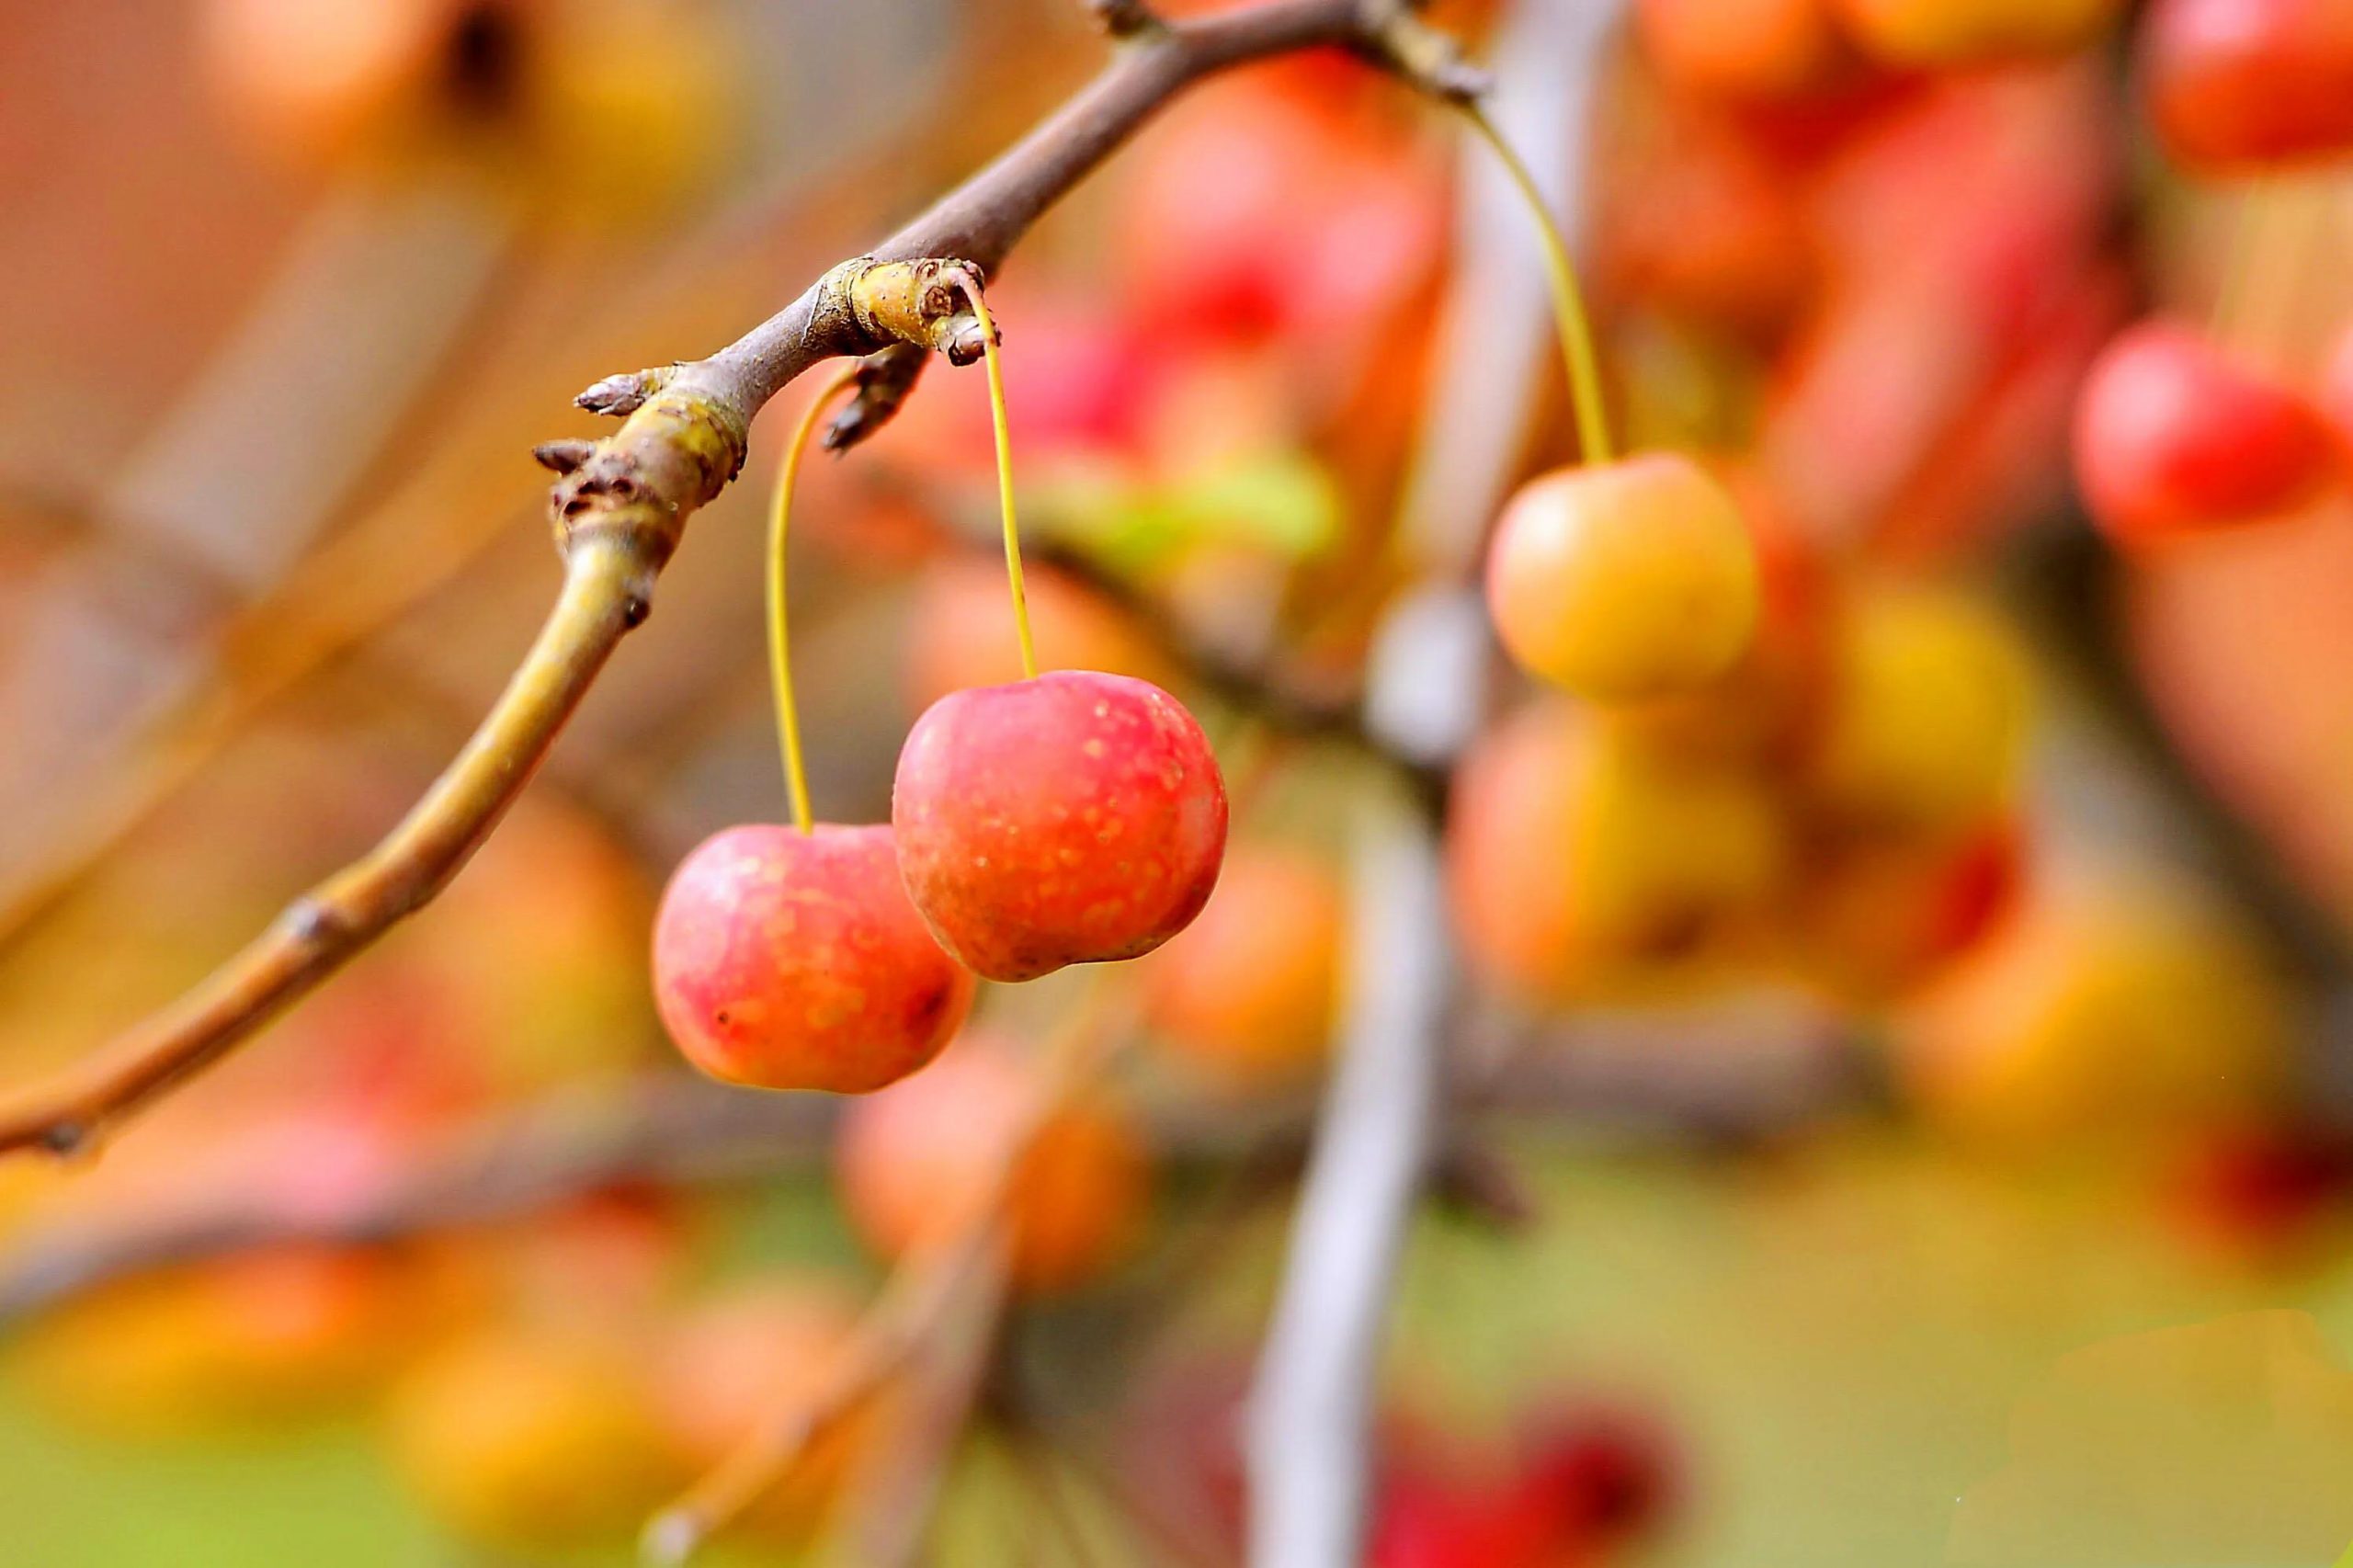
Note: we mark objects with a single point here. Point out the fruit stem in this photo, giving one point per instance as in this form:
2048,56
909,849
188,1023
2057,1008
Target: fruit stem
788,716
1568,304
965,279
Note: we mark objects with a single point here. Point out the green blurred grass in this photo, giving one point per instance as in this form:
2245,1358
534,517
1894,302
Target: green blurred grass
1838,1335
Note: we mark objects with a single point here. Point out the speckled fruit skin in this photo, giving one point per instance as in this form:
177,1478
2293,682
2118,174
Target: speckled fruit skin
792,961
2173,436
1624,580
1075,818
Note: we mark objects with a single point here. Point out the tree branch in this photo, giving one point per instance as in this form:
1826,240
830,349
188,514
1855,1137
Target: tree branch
1311,1404
666,1127
621,508
1668,1078
1312,1400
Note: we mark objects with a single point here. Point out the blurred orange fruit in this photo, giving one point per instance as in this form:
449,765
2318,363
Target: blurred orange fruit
1245,994
1578,856
2109,1012
253,1338
532,1436
752,1355
917,1164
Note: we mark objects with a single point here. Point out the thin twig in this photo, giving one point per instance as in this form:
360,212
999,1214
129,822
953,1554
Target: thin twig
1640,1077
923,1294
621,511
659,1128
896,1495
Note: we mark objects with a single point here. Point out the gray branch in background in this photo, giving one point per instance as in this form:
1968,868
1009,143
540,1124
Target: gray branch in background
1310,1405
1308,1441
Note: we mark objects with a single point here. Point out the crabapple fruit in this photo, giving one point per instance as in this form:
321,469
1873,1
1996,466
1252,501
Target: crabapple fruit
1577,853
1925,716
2240,85
1626,580
2108,1012
277,1333
785,960
767,1344
1742,48
1075,818
2174,435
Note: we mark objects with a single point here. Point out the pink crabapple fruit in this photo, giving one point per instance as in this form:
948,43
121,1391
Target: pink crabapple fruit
1075,818
785,960
2175,437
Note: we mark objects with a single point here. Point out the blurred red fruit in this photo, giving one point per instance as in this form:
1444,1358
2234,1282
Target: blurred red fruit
1874,919
2173,436
1577,1491
2254,1193
1075,818
1254,213
1705,228
785,960
2238,85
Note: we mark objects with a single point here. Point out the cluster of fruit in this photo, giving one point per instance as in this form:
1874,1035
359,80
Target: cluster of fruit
1069,817
1862,255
